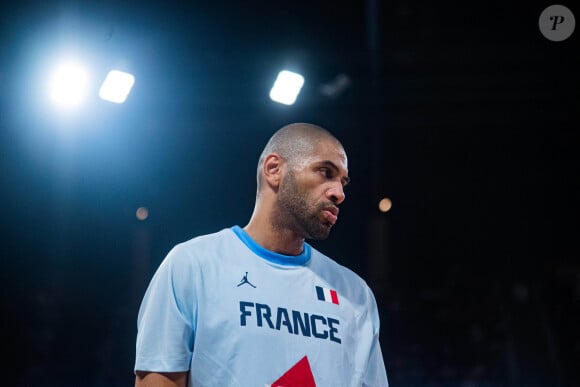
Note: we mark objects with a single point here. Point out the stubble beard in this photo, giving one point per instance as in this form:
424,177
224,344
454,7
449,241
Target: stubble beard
295,213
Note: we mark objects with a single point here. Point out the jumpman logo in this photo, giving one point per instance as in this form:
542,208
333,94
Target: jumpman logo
245,281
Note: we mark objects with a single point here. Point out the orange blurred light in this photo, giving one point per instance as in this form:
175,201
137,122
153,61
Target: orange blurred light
385,205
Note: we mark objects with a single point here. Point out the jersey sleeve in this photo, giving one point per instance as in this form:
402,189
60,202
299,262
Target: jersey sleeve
375,374
167,315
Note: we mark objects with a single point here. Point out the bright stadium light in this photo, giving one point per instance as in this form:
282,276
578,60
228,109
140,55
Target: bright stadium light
69,84
286,87
117,86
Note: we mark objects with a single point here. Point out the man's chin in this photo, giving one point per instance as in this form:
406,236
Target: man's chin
322,233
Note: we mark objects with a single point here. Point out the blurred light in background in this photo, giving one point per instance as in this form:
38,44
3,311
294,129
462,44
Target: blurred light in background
286,87
69,84
117,86
142,213
385,205
336,87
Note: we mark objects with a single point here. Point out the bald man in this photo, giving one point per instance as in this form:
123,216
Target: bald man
259,306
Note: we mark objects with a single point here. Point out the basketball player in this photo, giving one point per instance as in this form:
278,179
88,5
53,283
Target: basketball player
259,306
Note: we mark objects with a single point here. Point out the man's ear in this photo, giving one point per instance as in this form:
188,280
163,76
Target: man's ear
272,170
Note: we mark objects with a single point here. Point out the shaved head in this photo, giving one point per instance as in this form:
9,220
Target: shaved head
293,143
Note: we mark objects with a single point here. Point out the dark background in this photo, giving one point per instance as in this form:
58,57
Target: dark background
463,114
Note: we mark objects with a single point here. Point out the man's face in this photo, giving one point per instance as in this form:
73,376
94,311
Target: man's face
311,191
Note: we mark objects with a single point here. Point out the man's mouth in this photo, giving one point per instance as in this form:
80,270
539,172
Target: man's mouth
331,214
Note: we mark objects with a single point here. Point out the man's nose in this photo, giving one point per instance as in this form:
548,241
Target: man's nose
336,193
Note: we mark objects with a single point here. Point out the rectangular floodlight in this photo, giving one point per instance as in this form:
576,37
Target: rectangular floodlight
117,86
286,87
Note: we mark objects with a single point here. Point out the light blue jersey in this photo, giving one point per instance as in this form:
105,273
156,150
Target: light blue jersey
236,314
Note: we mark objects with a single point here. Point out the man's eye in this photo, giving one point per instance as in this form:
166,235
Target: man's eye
326,172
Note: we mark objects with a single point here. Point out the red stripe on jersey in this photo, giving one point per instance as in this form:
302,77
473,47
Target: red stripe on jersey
334,296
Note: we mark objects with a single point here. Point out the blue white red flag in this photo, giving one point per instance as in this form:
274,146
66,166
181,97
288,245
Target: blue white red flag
327,295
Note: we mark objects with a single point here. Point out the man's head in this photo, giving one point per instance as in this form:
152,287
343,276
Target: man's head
301,174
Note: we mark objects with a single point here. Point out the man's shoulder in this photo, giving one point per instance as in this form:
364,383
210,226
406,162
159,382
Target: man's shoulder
330,263
336,274
209,239
204,245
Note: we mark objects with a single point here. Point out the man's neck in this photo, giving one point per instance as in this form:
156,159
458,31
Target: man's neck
279,241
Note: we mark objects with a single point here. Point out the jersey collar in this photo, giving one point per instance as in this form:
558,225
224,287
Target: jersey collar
280,259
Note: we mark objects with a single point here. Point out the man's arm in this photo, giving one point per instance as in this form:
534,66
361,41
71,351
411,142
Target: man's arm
160,379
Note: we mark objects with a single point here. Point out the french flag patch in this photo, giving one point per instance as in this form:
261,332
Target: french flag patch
327,295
